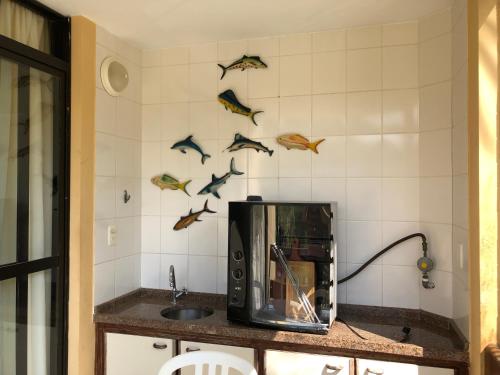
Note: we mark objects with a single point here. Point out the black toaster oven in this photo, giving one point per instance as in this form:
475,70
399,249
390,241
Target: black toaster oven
282,265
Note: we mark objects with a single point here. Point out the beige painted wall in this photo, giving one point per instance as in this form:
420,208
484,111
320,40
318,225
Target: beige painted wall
483,216
83,71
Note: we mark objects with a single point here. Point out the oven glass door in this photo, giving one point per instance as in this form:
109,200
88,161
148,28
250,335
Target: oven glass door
290,265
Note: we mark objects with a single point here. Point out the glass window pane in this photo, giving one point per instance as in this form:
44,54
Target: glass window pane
43,87
20,23
42,322
8,327
8,160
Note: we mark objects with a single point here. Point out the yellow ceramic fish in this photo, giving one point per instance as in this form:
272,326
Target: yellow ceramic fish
166,181
298,142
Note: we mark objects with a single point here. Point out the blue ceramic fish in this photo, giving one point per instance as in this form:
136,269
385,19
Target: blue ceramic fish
228,100
187,143
241,142
217,182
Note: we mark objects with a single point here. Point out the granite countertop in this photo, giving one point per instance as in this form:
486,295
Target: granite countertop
370,332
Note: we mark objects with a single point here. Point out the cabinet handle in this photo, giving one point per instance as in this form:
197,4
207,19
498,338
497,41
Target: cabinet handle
333,367
159,346
192,349
375,371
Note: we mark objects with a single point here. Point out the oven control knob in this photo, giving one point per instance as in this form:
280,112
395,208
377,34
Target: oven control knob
237,255
238,274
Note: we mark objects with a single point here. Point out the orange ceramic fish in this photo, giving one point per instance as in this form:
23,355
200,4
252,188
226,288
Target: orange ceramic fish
298,142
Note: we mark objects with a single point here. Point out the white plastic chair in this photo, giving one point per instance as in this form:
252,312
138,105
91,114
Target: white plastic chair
212,359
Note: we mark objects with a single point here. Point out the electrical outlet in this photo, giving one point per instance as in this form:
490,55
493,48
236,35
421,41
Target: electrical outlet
112,233
461,256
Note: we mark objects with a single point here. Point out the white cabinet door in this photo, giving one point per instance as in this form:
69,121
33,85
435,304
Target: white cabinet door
289,363
369,367
136,355
248,354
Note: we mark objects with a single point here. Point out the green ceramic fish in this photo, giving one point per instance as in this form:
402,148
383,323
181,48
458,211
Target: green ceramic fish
241,142
166,181
244,63
229,101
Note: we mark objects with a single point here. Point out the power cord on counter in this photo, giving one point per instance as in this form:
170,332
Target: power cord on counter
406,331
350,328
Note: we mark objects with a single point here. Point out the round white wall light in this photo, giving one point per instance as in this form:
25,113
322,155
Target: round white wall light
114,76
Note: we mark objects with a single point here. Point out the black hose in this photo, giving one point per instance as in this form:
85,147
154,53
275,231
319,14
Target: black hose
383,251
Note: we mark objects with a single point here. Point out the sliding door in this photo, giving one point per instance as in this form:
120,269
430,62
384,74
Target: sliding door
33,201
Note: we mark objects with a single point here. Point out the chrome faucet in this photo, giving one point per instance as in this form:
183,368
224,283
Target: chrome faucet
175,293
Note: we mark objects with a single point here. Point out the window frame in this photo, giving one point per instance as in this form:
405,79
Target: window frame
57,64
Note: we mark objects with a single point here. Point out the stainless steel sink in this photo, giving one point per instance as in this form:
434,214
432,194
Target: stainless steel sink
186,313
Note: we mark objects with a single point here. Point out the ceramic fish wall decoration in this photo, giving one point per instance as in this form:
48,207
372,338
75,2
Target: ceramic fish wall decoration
244,63
217,182
229,101
298,142
166,181
188,143
241,142
186,221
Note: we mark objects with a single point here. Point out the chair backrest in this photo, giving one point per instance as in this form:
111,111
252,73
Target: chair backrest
212,359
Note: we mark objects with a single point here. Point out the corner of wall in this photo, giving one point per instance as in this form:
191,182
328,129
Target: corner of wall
435,153
80,324
118,169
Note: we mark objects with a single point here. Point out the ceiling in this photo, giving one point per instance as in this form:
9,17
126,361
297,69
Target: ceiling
165,23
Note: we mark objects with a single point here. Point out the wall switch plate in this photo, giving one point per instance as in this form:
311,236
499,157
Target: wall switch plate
112,233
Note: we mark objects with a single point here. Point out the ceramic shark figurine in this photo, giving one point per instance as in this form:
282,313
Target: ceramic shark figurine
217,182
229,101
187,143
186,221
244,63
241,142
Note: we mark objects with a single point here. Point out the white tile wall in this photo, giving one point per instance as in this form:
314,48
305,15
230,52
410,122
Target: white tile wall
365,66
328,72
435,60
459,229
295,75
329,114
364,37
400,67
364,112
442,154
400,112
401,287
400,33
435,24
329,41
369,92
118,168
435,106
